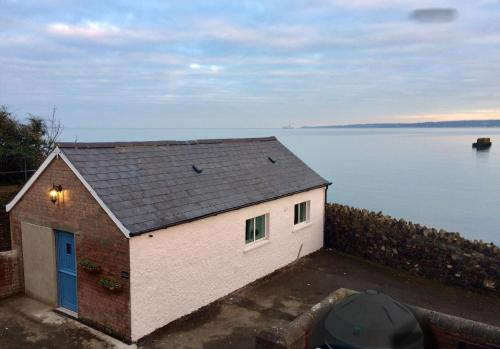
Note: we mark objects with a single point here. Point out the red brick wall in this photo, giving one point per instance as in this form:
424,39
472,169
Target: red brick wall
9,273
97,239
4,231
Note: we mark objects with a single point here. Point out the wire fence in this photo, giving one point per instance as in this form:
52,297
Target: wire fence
16,176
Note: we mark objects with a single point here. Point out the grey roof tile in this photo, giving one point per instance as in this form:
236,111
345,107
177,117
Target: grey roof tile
150,185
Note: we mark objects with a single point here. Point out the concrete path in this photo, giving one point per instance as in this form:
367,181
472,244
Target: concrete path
26,323
233,321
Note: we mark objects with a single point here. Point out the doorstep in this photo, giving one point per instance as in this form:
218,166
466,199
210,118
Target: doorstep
66,312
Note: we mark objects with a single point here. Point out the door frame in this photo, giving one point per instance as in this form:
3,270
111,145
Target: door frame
56,241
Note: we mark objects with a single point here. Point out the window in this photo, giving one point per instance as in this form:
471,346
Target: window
255,229
301,212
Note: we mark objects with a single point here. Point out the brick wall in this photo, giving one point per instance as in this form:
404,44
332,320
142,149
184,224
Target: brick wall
9,274
4,230
97,239
7,192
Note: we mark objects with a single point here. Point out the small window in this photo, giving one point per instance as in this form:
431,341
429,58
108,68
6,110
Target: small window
255,229
68,248
301,212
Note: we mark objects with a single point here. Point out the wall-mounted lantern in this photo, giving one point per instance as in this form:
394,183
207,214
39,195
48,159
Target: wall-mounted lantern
54,193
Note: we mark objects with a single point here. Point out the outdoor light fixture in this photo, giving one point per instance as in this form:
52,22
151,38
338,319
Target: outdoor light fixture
54,193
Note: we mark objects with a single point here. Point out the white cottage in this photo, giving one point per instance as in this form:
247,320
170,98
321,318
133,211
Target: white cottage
130,236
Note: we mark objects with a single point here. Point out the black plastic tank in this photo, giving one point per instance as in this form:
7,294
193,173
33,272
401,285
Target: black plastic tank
371,320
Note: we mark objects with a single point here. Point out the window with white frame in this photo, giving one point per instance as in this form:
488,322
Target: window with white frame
301,212
256,229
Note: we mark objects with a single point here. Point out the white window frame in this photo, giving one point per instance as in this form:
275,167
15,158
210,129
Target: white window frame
266,230
308,213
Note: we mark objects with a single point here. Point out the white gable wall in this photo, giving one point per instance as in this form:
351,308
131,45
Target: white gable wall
185,267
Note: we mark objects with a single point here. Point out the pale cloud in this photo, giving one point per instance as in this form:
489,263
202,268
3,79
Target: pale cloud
486,114
278,36
212,68
107,32
17,40
414,118
371,4
88,30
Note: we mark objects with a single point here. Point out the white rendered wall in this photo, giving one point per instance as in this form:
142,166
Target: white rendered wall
185,267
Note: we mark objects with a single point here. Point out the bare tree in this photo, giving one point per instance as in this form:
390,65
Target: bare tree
54,131
51,130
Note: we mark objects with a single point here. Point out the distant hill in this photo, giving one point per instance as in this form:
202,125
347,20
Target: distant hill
434,124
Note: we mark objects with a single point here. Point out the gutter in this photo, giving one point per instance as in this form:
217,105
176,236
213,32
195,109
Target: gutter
325,242
132,234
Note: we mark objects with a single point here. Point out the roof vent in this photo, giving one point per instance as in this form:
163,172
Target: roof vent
271,159
197,170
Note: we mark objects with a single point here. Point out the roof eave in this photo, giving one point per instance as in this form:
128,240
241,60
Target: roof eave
141,232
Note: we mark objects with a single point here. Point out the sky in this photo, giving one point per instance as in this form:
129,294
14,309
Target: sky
185,64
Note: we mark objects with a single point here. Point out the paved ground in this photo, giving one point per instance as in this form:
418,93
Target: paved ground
29,324
233,321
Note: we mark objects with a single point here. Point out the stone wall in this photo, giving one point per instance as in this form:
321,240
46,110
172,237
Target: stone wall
440,330
9,274
424,251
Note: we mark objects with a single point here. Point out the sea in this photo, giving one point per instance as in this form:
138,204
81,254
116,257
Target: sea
430,176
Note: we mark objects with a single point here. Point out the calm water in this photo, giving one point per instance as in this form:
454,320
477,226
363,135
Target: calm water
429,176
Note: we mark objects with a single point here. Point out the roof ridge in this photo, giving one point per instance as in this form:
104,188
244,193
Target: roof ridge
88,145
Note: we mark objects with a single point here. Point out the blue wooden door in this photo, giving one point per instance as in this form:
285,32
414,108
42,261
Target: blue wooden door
66,270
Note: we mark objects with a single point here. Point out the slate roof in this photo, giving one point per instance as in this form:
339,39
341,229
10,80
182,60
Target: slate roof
153,185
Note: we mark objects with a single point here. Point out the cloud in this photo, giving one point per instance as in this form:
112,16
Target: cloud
486,114
357,58
212,68
107,32
276,36
427,117
434,15
369,4
88,30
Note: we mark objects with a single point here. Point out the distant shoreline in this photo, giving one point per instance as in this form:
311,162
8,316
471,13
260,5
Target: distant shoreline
433,124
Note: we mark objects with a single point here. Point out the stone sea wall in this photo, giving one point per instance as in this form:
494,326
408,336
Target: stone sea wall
440,255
